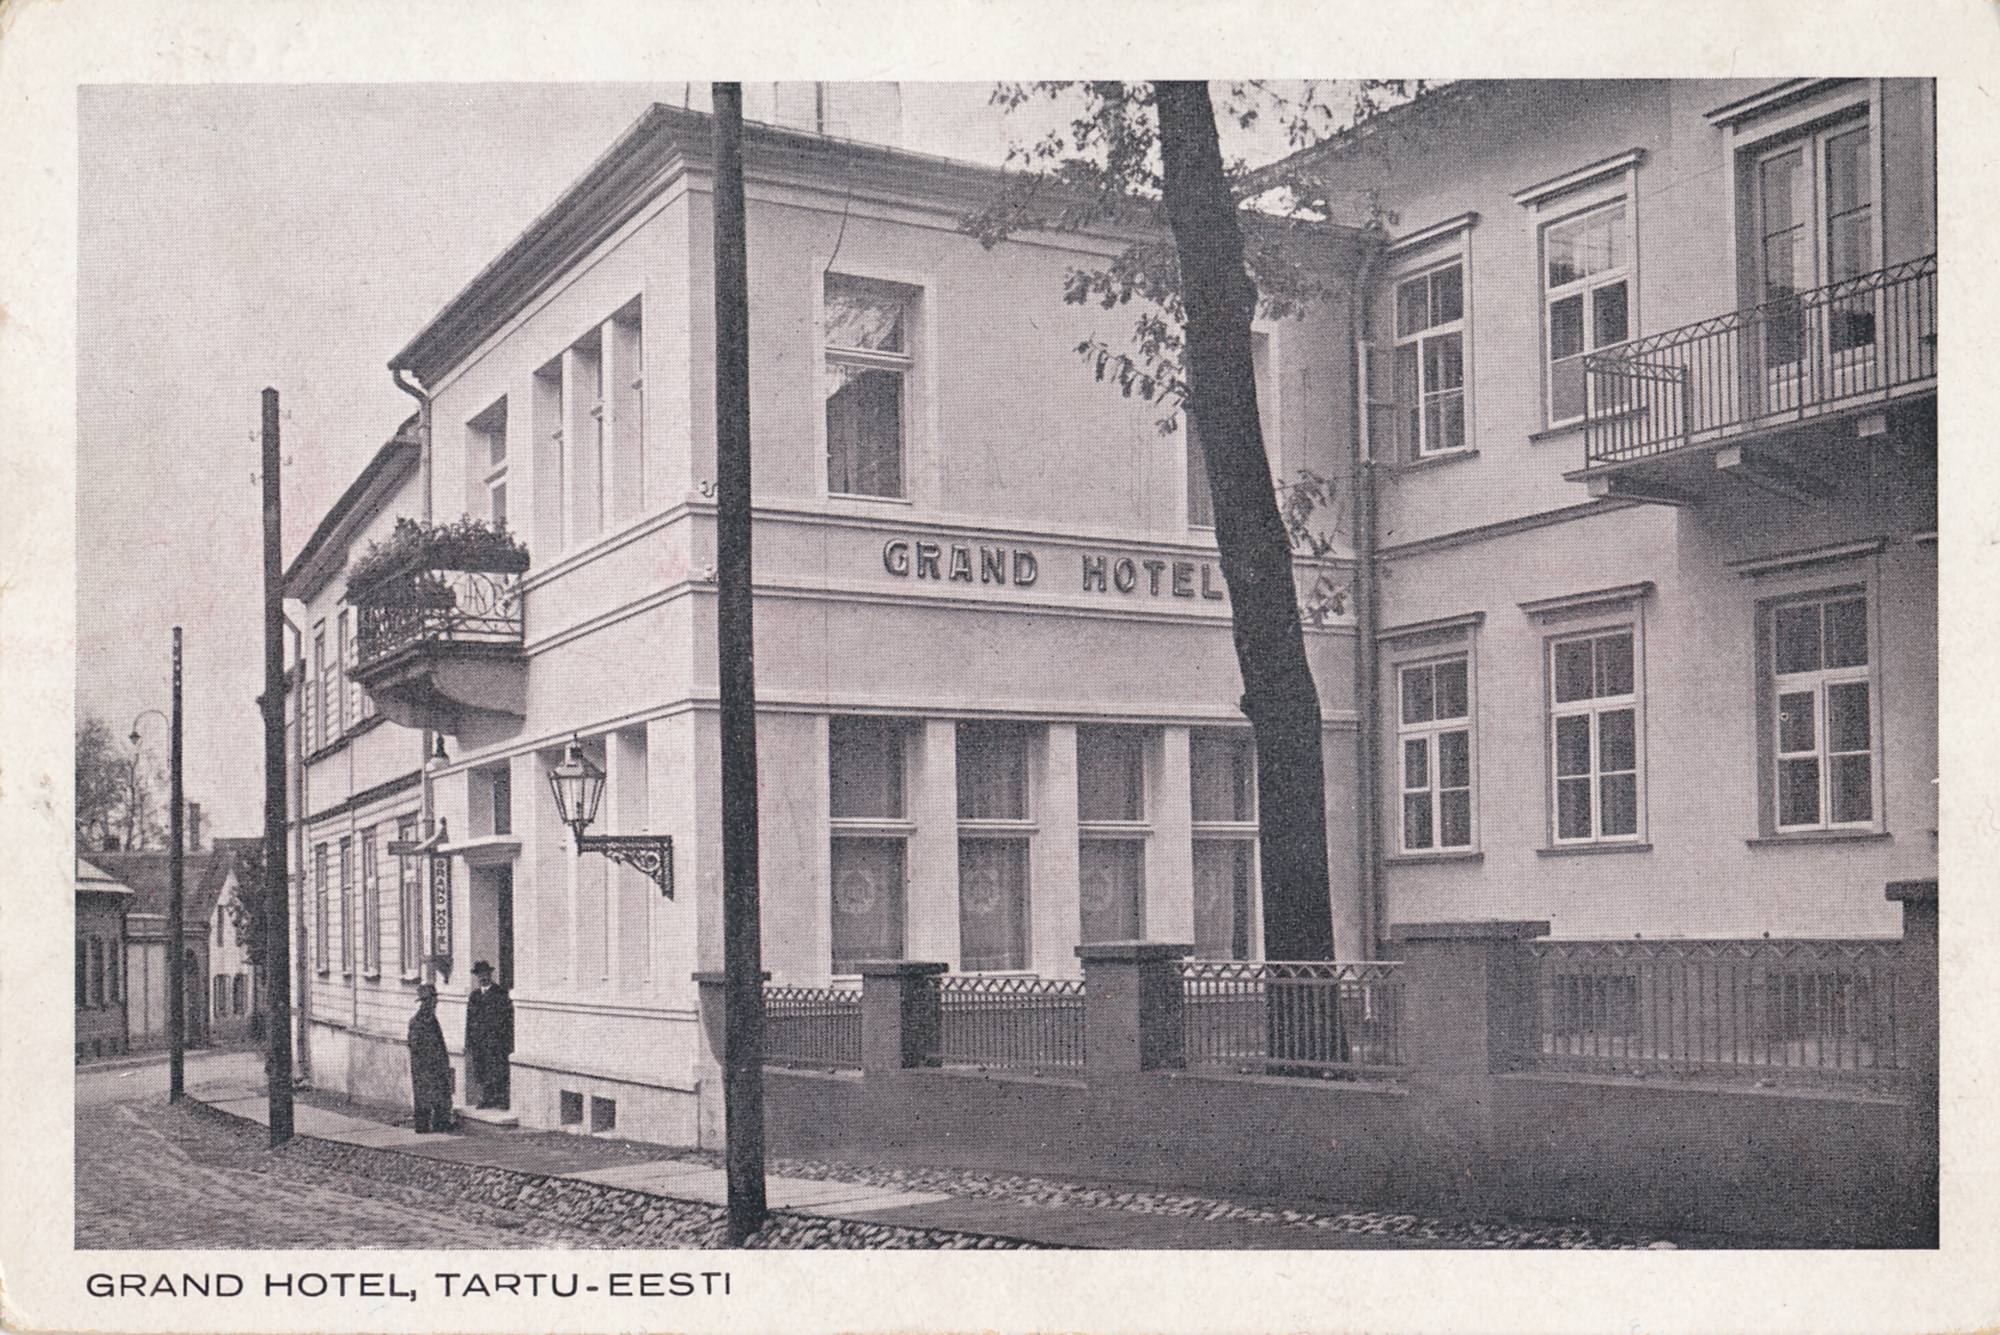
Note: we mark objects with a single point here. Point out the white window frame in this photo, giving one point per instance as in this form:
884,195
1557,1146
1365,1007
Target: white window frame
493,472
1138,832
1594,707
1238,832
899,828
1021,829
912,365
346,854
409,904
1429,732
371,906
1588,287
322,914
1818,683
1417,449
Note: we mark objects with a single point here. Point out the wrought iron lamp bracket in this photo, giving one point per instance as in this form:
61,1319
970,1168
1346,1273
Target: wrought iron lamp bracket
652,854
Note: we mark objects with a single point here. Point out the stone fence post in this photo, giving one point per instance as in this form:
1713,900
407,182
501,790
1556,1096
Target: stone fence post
709,1116
1919,1019
1132,1007
1469,1008
900,1014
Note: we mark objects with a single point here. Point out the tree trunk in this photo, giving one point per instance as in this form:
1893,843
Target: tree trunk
1254,546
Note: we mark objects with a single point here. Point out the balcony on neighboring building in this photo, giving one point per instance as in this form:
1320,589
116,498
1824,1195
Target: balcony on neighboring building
1759,395
439,642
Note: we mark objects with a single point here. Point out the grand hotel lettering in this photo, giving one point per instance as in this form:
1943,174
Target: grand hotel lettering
959,563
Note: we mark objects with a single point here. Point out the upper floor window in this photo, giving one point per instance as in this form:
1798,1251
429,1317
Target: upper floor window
327,702
1429,367
1587,299
1824,739
1434,741
588,438
1815,212
487,450
868,365
1594,724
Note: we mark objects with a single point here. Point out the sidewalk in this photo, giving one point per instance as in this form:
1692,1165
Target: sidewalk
1042,1213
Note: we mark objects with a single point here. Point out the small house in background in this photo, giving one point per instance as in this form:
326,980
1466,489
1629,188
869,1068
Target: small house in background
101,903
146,971
235,1001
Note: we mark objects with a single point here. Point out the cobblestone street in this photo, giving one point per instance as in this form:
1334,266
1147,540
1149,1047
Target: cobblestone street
149,1176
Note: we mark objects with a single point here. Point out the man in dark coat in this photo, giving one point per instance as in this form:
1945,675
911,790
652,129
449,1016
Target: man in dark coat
430,1065
489,1037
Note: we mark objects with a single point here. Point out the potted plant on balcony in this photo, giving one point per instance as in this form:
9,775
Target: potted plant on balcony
405,569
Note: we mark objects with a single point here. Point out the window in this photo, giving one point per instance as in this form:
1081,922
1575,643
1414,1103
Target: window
321,926
239,994
486,461
1823,733
626,373
1429,367
1434,744
356,700
115,970
371,908
1587,298
1594,729
1111,817
220,1005
1222,776
409,903
221,912
993,833
502,788
865,775
1814,201
868,365
323,669
1201,504
347,907
82,972
552,474
96,972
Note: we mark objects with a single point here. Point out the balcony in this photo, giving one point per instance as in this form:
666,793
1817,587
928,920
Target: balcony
440,647
1756,392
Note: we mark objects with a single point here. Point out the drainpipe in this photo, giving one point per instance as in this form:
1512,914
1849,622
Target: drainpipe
301,966
1367,614
427,812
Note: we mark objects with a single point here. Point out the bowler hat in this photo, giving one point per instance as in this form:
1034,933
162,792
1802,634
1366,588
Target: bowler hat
482,967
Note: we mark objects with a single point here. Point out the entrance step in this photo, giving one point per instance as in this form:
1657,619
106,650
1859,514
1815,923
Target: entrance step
490,1116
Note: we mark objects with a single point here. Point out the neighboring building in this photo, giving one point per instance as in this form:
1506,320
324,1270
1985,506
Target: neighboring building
101,902
1671,600
235,999
146,966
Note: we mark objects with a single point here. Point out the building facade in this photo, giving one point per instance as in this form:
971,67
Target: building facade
101,902
147,971
997,693
235,999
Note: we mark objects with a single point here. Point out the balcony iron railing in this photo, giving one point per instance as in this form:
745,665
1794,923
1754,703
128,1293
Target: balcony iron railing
1832,348
1316,1018
432,605
1780,1011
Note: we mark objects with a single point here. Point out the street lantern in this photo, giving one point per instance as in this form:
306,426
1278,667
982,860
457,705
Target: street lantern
578,786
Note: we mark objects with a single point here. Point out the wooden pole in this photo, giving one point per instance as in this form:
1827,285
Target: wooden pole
275,935
742,951
176,947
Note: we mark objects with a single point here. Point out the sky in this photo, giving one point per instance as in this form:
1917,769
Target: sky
237,236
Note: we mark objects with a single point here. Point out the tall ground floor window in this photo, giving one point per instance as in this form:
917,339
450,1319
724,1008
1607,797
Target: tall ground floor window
993,830
867,901
1112,889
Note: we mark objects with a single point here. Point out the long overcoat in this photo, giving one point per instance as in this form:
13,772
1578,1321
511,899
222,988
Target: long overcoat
489,1031
430,1064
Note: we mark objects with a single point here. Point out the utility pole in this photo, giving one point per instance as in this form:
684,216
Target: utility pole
275,936
742,950
176,947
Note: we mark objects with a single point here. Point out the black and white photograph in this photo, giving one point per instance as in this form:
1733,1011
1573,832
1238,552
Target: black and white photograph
671,669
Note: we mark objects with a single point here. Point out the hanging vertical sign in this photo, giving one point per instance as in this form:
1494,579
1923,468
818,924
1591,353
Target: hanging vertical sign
441,909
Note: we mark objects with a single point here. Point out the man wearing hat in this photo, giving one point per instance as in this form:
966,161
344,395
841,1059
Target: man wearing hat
489,1038
430,1065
